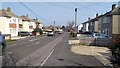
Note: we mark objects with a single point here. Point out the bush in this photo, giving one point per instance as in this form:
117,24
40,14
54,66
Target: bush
115,50
37,29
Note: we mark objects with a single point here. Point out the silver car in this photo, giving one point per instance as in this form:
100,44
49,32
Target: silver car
100,35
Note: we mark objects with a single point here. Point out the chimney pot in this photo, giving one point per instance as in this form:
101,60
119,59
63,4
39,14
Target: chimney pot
36,18
97,15
88,18
113,6
26,15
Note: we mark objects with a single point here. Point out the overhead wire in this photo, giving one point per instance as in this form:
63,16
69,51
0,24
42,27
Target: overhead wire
33,11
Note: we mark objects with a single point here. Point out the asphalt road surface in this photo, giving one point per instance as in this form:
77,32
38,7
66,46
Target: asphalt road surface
49,51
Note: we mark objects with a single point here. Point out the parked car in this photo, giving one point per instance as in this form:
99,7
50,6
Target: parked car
24,33
100,35
50,33
80,32
2,44
60,31
88,34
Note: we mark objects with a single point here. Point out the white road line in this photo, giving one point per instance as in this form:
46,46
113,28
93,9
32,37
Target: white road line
44,37
29,45
37,42
37,38
34,39
47,58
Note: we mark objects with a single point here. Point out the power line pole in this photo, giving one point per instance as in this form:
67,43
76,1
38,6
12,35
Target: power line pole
54,24
75,16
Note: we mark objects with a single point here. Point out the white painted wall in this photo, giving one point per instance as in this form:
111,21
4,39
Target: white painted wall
87,25
80,27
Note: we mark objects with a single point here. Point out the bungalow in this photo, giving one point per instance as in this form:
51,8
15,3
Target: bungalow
8,22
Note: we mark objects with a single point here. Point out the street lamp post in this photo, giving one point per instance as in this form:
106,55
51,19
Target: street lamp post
75,16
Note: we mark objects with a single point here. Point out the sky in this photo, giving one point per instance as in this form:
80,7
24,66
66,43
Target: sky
60,12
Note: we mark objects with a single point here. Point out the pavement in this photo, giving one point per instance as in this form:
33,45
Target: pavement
17,37
100,53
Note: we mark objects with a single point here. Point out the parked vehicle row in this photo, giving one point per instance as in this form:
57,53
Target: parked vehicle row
100,35
25,33
95,35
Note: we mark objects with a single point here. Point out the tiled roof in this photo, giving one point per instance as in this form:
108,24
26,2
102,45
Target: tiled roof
25,18
36,21
5,13
116,11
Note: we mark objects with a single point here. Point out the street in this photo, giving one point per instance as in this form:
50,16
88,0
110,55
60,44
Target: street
49,51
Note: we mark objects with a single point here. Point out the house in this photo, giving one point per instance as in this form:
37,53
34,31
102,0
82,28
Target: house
86,25
40,25
108,23
80,27
93,25
8,22
115,19
27,24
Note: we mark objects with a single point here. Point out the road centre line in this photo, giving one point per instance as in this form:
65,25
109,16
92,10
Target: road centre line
47,58
34,39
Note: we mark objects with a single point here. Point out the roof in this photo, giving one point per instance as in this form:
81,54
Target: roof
116,11
6,13
36,21
25,18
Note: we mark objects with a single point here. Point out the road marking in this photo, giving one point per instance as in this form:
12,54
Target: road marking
34,39
37,38
37,43
29,45
44,37
47,58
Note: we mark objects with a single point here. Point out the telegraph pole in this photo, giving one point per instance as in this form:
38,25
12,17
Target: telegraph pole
54,24
75,16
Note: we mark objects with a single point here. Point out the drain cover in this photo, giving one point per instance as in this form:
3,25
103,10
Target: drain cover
60,59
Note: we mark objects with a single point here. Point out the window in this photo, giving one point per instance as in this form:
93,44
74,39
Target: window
13,30
105,20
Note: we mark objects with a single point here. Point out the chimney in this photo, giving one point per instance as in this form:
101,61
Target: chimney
96,15
88,18
26,15
37,19
113,6
9,9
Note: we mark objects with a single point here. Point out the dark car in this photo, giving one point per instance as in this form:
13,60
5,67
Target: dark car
2,43
89,34
24,33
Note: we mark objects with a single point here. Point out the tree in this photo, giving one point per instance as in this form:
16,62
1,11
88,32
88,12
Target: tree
63,27
70,26
37,29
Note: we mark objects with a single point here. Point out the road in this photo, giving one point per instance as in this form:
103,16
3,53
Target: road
49,51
